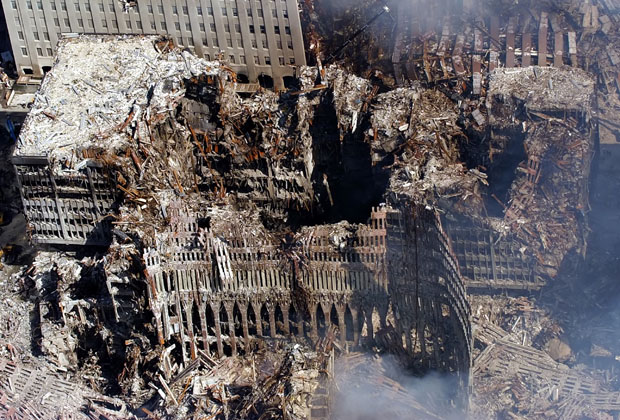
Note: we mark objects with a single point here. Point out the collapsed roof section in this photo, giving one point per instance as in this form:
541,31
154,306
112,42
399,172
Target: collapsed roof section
542,89
99,86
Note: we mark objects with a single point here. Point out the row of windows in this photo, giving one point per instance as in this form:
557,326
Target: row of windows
164,26
232,58
104,23
49,51
175,11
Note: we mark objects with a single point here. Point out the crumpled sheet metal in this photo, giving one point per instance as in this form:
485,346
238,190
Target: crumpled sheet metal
97,85
543,88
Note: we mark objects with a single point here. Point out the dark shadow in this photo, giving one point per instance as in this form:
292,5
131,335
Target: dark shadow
279,321
252,331
320,321
265,81
264,319
348,324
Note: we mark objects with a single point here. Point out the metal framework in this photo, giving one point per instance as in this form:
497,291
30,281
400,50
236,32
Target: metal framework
65,209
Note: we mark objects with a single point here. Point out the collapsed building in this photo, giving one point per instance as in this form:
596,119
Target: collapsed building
204,230
200,197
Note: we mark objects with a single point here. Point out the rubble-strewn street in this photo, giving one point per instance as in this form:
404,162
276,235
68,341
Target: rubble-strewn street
421,224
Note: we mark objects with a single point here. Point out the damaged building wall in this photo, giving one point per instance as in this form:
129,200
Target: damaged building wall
213,191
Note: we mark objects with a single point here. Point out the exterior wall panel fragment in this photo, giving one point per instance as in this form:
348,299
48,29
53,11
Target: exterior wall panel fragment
66,209
317,286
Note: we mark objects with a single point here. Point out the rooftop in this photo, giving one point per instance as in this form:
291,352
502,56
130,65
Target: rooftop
101,85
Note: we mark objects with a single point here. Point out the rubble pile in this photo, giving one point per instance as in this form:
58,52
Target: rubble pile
218,250
275,382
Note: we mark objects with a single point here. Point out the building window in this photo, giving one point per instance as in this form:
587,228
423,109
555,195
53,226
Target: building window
40,52
54,6
46,36
128,24
63,6
268,61
277,30
87,6
224,11
164,27
67,23
14,4
80,23
50,52
292,60
115,24
237,28
251,29
279,44
91,24
24,52
202,26
185,11
285,13
281,60
139,24
235,11
188,27
101,8
210,11
212,27
111,7
232,59
153,25
29,5
226,27
20,35
256,59
249,12
199,10
274,13
254,43
287,29
40,5
104,23
229,42
262,29
175,11
242,59
36,35
56,22
177,26
149,9
77,7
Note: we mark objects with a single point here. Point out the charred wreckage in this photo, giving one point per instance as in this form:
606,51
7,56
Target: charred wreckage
209,253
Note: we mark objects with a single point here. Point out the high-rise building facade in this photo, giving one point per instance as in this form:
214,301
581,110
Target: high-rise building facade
261,39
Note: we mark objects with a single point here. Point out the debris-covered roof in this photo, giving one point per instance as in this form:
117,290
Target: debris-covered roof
98,85
544,88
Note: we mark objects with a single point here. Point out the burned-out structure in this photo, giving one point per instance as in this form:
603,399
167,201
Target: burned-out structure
210,252
220,216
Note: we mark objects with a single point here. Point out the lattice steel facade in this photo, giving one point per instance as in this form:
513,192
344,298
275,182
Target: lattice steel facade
393,281
68,209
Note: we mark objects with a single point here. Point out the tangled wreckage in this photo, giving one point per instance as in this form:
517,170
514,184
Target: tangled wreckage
207,253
